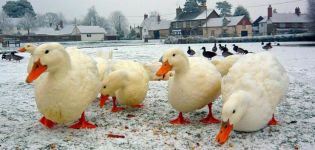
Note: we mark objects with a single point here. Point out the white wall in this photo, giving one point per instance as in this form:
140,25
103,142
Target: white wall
263,28
145,32
94,37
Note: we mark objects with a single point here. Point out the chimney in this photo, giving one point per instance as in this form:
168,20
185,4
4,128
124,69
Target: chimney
158,18
145,16
178,11
269,11
297,11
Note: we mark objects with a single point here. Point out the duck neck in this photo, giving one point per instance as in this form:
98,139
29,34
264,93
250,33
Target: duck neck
182,67
61,68
117,79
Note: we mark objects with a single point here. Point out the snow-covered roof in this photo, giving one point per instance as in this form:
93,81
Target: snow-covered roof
287,18
45,31
91,29
218,22
194,15
67,30
152,23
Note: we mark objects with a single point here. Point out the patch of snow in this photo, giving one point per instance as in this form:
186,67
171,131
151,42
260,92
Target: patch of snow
149,129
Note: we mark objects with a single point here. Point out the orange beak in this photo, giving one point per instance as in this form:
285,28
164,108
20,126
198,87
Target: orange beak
164,69
36,71
22,49
103,99
224,133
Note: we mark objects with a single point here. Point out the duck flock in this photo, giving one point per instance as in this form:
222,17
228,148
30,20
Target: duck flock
67,81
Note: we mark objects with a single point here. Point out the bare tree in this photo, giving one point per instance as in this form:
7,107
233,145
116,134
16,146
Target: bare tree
5,23
91,17
27,23
120,23
49,19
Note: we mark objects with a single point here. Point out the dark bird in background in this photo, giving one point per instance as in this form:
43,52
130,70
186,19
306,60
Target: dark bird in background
240,50
214,48
267,46
225,51
190,52
223,48
208,54
262,43
10,55
235,48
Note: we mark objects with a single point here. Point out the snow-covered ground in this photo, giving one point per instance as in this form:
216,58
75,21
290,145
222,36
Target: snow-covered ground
148,128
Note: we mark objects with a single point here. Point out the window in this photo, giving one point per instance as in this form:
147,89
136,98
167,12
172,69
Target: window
88,35
212,32
282,25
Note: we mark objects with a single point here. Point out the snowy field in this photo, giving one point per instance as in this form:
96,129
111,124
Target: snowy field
148,128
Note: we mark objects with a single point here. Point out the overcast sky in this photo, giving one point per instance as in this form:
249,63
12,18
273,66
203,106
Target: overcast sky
134,9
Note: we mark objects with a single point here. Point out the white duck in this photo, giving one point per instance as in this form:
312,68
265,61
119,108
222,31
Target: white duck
223,65
152,68
102,61
196,83
251,91
30,48
69,86
128,81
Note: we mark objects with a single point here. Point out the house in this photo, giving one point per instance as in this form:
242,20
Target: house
255,25
154,27
86,33
235,26
190,23
90,33
284,23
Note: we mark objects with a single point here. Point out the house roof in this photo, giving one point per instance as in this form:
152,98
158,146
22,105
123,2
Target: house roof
68,29
218,22
256,22
152,23
194,15
287,17
91,29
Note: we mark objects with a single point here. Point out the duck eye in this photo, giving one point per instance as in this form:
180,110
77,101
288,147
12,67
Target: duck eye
174,55
233,111
104,86
47,51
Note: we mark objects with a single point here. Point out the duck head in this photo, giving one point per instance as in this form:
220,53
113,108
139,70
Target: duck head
203,48
48,57
173,59
112,83
232,112
28,47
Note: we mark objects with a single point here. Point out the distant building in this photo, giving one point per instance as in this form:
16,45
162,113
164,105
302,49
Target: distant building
255,25
90,33
235,26
154,27
87,33
284,23
190,23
